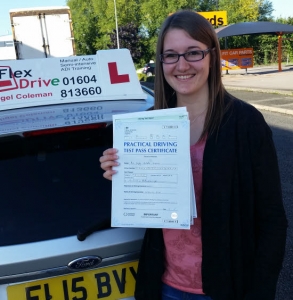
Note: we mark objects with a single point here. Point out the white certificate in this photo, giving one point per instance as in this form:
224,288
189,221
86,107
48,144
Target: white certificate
153,186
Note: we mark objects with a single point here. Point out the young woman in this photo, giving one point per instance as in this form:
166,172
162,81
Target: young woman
235,248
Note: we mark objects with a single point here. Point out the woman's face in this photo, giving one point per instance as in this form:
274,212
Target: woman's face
186,78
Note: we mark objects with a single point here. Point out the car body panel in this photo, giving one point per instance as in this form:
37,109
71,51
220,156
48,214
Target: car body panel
22,259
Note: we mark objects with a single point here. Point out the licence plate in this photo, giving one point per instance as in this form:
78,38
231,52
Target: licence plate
113,282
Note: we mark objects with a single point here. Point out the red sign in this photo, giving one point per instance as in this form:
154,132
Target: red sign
237,58
7,80
114,76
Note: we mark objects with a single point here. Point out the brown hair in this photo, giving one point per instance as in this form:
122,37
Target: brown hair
201,30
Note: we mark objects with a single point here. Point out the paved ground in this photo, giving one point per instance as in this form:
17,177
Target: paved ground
271,90
275,88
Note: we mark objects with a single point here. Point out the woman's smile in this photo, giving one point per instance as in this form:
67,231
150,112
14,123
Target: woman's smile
184,77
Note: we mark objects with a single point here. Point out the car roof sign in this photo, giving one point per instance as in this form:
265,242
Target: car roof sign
108,75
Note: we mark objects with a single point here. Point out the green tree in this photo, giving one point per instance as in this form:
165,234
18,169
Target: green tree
130,38
94,21
127,12
240,10
265,11
84,25
139,23
154,12
208,5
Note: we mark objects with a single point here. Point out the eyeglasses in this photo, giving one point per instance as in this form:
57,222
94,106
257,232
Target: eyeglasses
191,56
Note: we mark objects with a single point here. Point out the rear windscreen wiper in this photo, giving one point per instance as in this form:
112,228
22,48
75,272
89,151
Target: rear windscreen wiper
83,233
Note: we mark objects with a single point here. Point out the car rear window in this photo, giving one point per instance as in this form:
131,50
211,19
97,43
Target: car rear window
52,185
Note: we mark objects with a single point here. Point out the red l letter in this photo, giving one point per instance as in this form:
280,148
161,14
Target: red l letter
114,76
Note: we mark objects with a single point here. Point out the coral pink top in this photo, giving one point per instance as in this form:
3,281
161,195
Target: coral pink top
183,254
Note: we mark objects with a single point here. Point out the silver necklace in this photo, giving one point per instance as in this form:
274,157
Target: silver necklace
196,117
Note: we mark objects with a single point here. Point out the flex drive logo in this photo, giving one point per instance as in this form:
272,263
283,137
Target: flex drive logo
21,79
7,79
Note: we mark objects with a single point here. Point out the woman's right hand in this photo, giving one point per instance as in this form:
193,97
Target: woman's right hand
108,161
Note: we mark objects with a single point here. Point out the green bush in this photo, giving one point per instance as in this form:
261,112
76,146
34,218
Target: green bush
141,77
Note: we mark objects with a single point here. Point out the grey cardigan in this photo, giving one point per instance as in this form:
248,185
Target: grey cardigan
243,219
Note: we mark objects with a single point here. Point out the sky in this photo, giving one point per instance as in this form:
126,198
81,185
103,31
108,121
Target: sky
283,8
6,5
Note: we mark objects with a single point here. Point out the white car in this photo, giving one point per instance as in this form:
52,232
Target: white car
56,241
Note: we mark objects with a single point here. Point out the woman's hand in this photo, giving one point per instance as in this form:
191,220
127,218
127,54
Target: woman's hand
108,160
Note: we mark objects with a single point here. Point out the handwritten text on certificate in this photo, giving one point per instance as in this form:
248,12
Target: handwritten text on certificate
152,187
